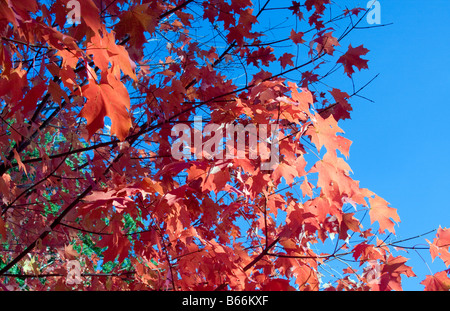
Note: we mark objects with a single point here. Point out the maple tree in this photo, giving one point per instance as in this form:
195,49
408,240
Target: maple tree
87,172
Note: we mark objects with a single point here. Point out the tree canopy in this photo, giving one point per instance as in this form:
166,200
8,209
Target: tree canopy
187,145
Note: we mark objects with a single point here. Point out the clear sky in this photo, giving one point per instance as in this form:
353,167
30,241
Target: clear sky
401,143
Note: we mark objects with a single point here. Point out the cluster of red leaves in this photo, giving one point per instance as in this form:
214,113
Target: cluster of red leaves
73,188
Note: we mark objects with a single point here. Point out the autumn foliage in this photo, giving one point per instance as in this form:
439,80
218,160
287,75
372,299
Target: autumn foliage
87,173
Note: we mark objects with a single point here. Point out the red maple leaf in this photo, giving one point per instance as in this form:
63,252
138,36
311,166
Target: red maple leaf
340,109
91,15
315,19
3,233
295,8
319,5
277,285
325,42
263,54
366,252
309,77
297,37
286,59
391,274
136,22
353,58
354,11
31,98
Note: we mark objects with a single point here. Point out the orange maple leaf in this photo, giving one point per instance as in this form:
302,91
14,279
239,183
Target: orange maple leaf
285,170
440,246
324,133
107,52
438,282
109,99
381,212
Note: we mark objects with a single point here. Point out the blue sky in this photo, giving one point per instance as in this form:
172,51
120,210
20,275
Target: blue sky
401,145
